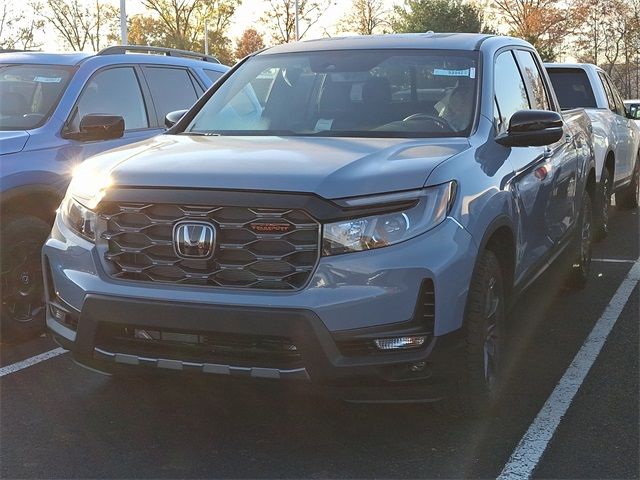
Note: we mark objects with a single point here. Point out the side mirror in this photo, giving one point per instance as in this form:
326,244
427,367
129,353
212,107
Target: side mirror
96,126
532,128
174,117
633,111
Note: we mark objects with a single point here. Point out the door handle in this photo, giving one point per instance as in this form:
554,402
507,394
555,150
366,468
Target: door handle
547,152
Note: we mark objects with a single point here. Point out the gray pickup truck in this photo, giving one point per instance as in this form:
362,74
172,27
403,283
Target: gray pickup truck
359,213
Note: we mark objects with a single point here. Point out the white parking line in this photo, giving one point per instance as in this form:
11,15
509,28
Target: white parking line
527,454
14,367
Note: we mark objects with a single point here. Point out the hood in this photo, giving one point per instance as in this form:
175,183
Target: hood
328,167
12,141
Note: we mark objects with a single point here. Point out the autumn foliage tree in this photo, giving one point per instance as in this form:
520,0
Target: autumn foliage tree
543,23
250,41
145,30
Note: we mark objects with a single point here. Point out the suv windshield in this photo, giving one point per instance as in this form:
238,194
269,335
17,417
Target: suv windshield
30,93
361,93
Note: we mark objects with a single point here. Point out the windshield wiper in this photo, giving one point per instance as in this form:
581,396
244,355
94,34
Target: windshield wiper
200,134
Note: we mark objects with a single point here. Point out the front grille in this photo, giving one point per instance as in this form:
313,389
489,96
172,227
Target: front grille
423,321
257,248
242,350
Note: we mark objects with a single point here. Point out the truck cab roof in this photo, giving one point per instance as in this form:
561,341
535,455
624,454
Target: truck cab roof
428,40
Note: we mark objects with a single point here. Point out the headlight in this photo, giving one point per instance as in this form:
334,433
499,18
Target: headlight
431,207
85,191
78,218
88,185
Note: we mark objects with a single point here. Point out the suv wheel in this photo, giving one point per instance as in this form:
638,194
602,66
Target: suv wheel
630,196
602,228
22,311
485,334
582,250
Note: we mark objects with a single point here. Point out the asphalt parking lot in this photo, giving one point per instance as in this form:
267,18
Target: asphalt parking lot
58,420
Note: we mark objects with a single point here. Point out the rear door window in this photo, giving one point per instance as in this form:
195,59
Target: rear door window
530,71
171,89
607,90
510,90
617,99
114,91
572,87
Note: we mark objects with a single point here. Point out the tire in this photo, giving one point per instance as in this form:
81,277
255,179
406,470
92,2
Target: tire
604,202
482,371
629,197
581,265
22,308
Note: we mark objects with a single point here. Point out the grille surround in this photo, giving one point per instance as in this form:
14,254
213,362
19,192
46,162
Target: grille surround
136,243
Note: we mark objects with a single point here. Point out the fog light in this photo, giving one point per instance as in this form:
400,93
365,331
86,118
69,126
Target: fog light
400,343
57,313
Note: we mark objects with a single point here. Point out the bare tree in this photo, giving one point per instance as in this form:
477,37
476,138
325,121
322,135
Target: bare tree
81,25
610,37
280,18
366,17
183,20
17,28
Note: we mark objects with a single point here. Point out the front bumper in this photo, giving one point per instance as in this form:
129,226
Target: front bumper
350,297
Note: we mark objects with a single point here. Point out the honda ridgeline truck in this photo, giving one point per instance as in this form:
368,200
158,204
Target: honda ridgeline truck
354,212
616,136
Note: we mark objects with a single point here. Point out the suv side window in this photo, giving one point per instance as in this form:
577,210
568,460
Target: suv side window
213,75
510,90
531,73
171,89
114,91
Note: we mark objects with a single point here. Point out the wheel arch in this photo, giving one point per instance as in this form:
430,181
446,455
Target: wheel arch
39,200
610,163
500,238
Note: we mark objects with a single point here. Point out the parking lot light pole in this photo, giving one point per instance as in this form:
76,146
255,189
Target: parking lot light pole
297,23
206,38
123,22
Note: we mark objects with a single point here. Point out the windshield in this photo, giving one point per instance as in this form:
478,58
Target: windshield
362,93
30,93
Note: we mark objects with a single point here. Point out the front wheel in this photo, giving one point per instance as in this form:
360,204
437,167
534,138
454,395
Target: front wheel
22,311
483,367
630,197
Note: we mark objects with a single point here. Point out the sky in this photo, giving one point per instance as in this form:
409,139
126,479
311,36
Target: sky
246,16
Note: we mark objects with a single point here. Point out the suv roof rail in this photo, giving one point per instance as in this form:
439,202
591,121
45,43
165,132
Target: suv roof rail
170,52
14,50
